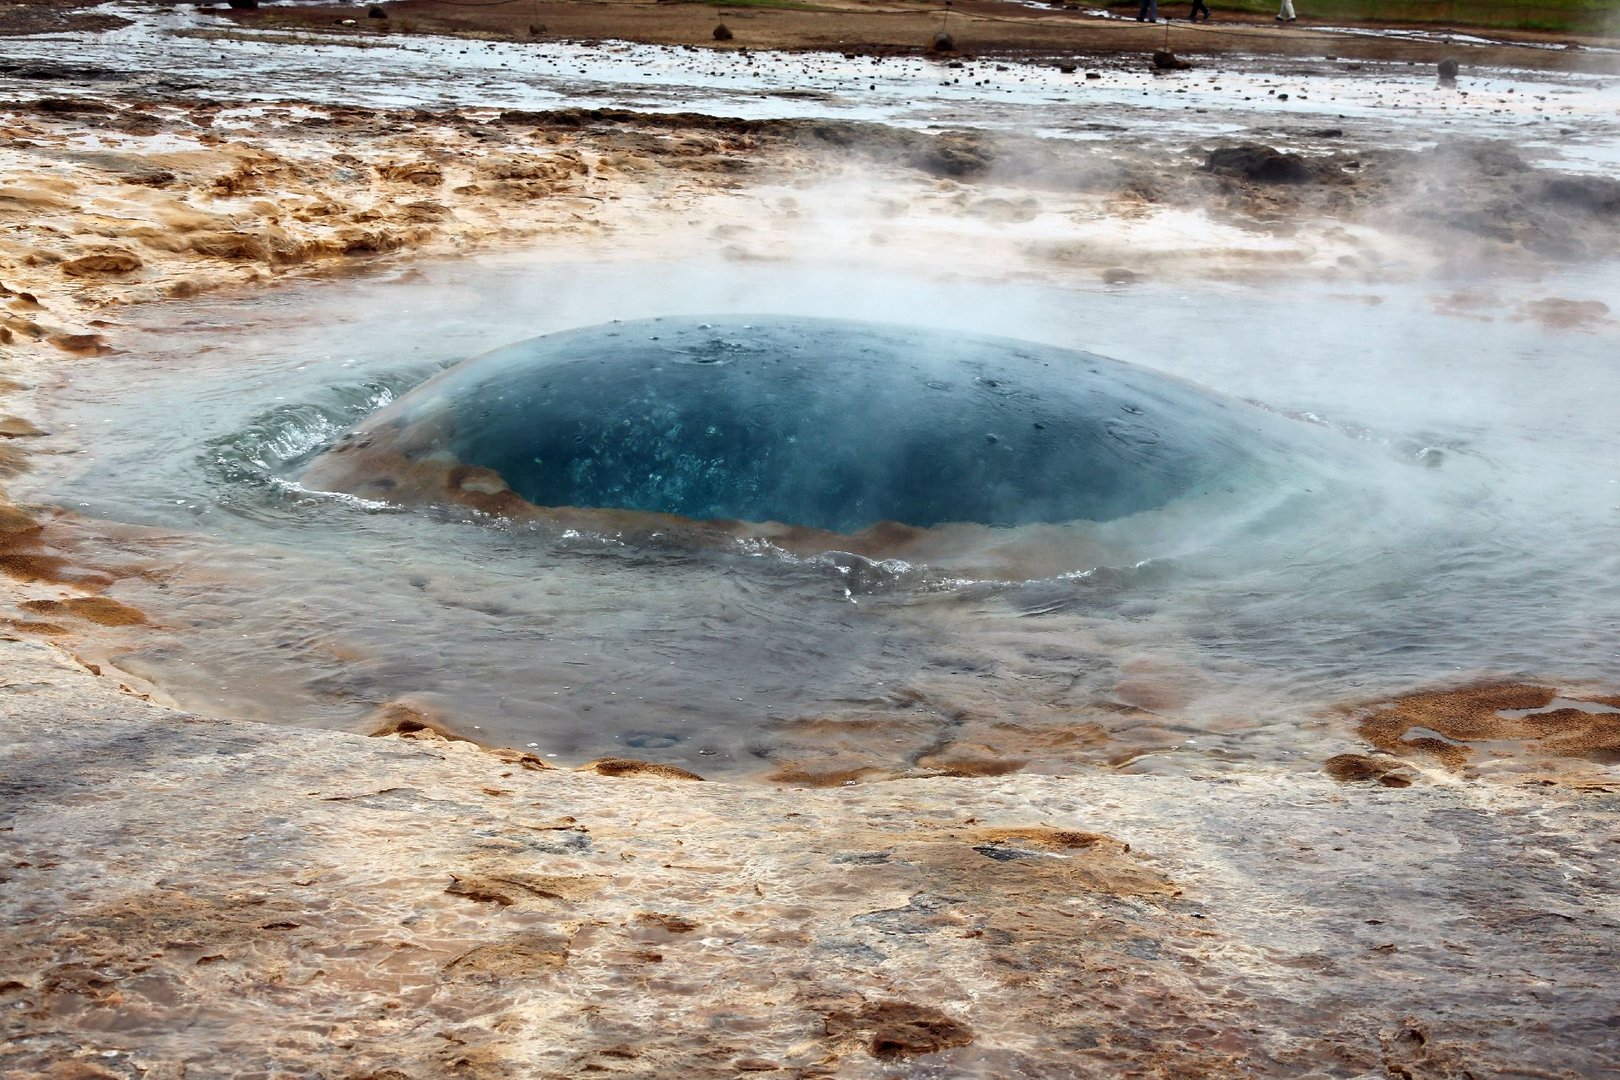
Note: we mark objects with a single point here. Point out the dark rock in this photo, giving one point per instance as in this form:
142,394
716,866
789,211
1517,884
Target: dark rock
376,12
723,33
1594,194
108,261
899,1029
943,43
1482,156
149,177
1067,69
1093,74
1359,768
1261,164
954,155
1448,70
1005,854
244,5
72,72
1164,60
70,106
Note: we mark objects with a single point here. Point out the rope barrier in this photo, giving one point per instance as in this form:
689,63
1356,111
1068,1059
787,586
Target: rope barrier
479,3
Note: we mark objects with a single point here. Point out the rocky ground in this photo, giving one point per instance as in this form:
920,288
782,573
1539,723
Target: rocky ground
194,898
894,27
189,897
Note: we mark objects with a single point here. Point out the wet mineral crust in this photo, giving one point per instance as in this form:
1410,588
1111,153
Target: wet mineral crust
188,897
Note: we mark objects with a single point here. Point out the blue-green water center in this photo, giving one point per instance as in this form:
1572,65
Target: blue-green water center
822,423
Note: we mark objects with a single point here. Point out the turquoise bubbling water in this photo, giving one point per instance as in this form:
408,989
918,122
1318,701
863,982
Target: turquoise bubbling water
1465,529
827,424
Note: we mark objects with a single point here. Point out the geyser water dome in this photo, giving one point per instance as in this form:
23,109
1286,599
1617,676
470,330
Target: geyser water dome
818,423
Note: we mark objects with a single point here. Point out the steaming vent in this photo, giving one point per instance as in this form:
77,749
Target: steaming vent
820,424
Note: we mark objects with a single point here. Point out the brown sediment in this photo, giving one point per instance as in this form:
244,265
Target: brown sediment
1089,861
101,610
523,758
407,721
13,460
103,261
29,552
513,957
33,626
612,766
942,729
794,775
1044,836
1561,314
1466,725
18,527
898,1029
673,924
970,761
81,344
515,887
1352,768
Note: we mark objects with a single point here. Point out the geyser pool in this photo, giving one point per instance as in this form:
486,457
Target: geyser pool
825,424
1205,634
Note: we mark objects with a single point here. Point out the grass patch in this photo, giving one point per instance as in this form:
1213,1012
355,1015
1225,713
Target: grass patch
1559,16
781,5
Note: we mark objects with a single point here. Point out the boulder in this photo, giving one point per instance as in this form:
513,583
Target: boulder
1593,194
108,261
1262,164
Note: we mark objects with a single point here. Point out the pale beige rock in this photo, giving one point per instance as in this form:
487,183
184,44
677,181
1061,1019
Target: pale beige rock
185,896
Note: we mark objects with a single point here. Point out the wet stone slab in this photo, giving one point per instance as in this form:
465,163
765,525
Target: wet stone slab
198,898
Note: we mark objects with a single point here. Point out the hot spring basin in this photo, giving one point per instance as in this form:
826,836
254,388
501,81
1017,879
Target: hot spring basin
822,424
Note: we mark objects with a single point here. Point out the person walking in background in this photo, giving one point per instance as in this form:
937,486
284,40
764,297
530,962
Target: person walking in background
1286,13
1148,11
1199,5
